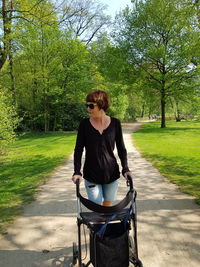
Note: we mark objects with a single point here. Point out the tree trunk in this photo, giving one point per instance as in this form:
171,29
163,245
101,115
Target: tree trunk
163,102
46,116
55,122
143,110
178,113
150,112
6,48
46,111
6,31
12,77
46,121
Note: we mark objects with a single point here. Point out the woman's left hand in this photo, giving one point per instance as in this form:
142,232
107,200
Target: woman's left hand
126,174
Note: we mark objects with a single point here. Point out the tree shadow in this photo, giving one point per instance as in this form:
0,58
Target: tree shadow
21,183
168,223
21,258
168,220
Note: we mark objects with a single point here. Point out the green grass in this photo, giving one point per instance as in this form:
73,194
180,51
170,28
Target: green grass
175,151
28,164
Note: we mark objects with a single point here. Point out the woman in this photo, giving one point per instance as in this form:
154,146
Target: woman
98,135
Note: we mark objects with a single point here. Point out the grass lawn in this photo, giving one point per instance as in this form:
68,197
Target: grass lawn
175,151
30,161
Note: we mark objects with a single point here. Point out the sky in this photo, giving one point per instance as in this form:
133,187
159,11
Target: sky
115,5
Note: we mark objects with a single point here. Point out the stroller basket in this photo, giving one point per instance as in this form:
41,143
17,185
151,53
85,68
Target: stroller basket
103,249
110,243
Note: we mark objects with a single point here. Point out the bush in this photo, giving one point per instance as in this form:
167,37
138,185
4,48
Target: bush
8,121
119,102
73,114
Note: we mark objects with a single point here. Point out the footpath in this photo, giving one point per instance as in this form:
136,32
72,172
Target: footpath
168,220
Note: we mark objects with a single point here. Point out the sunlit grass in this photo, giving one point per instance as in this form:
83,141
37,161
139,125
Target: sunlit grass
175,151
28,164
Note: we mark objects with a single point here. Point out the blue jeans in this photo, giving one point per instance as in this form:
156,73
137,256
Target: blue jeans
99,193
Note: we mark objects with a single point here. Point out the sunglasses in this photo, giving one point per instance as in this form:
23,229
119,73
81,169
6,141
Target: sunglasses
91,106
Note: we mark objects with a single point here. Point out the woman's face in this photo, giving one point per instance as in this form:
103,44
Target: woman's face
92,109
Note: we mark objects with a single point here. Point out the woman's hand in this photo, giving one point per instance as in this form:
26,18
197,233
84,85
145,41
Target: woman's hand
126,174
76,178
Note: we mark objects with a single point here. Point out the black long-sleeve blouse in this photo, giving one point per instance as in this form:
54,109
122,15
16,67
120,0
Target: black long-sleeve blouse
100,163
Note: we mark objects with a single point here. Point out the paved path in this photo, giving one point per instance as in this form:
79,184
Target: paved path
168,221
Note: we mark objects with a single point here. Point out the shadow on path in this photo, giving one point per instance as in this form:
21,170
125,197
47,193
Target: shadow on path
168,221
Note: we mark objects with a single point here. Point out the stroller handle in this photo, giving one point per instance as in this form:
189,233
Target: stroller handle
77,188
129,183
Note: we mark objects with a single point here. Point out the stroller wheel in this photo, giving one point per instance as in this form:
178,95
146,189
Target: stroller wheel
138,263
132,252
75,254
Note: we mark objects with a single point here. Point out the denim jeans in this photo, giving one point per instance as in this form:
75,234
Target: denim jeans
101,192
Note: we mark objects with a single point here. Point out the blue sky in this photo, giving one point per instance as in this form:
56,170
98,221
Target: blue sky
115,5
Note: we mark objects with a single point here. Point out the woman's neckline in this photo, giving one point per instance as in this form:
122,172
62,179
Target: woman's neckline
101,133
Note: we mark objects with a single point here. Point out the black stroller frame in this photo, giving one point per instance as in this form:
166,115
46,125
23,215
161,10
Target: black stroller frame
124,211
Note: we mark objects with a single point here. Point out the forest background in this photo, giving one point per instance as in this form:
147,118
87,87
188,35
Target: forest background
52,53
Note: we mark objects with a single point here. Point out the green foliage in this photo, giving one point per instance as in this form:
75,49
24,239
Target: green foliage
78,70
73,114
119,100
117,77
146,64
156,38
9,121
175,151
50,73
50,69
110,60
186,108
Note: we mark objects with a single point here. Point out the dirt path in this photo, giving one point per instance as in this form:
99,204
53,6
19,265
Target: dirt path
168,221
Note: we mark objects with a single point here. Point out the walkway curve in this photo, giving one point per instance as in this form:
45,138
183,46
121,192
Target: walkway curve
168,221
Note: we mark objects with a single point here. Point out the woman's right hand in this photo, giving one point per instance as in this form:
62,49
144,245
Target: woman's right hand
76,177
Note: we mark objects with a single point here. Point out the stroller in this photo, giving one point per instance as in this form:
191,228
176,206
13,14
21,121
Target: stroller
112,232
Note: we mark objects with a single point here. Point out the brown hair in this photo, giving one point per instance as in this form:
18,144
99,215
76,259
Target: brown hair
99,97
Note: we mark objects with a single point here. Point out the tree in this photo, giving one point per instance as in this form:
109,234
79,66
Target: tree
6,18
83,19
52,72
9,121
156,36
